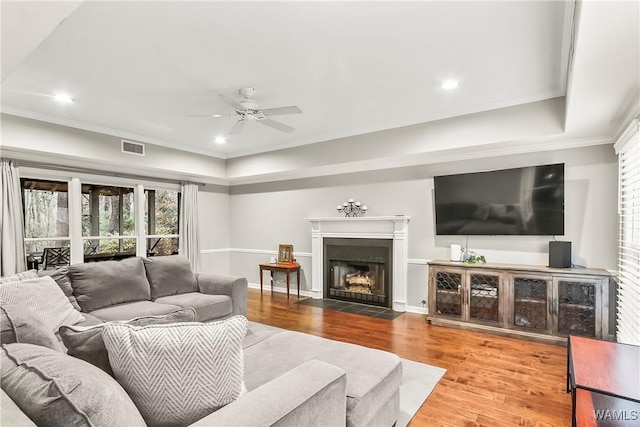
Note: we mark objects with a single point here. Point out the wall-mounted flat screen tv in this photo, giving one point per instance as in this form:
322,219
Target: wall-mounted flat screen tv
521,201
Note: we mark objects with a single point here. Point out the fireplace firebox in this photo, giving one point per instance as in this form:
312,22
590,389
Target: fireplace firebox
358,270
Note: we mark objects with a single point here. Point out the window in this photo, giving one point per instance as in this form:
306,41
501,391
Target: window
628,309
46,216
161,221
108,221
104,219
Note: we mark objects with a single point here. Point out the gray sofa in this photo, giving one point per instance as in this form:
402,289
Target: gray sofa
292,378
134,287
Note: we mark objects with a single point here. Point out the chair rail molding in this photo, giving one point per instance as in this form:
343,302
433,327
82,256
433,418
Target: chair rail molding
395,227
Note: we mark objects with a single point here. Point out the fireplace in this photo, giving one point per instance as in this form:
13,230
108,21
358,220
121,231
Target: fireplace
394,228
358,270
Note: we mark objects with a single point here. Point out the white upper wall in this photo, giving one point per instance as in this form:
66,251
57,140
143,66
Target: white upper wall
399,147
32,140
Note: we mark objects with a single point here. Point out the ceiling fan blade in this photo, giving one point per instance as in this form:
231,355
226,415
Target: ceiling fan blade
280,111
237,127
215,116
277,125
235,104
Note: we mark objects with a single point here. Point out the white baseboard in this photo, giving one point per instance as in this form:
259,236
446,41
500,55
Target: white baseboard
292,291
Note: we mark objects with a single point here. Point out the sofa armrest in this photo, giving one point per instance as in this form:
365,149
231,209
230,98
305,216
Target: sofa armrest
311,394
235,287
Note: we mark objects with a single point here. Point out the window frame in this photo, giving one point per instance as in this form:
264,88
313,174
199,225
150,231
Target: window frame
75,180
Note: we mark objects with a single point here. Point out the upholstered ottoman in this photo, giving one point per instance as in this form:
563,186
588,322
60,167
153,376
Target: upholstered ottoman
373,376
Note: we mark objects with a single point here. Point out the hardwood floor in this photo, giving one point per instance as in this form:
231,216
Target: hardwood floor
490,380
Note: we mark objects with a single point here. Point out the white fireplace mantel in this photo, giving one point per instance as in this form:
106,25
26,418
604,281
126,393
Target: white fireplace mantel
372,227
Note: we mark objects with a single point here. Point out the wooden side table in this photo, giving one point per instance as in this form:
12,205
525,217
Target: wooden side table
604,380
283,267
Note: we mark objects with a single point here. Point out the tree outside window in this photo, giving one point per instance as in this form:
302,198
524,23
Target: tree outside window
46,215
108,211
161,221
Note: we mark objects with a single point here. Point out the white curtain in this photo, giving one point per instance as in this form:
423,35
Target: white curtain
189,229
12,250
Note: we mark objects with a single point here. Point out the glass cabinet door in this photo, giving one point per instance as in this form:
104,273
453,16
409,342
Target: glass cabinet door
484,297
530,302
577,307
448,294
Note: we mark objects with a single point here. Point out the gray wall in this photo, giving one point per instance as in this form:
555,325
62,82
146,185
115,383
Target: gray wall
263,215
242,225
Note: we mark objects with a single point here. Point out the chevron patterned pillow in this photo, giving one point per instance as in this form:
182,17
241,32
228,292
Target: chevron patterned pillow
44,298
179,373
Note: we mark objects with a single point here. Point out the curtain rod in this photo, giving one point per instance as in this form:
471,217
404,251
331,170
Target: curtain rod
42,165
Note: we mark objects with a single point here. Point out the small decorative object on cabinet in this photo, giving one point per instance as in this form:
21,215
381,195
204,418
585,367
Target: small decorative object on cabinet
538,303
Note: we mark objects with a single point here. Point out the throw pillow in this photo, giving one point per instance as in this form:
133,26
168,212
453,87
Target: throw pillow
86,343
61,277
44,298
25,275
177,374
19,324
54,389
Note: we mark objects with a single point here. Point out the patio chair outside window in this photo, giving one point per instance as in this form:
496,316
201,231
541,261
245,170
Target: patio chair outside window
56,257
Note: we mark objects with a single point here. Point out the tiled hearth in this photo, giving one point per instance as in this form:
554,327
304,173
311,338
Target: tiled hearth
351,307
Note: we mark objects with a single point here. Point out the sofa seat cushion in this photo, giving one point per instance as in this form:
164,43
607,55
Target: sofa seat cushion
54,389
103,284
208,307
131,310
373,376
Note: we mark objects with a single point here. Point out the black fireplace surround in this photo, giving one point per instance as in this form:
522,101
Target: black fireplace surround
358,270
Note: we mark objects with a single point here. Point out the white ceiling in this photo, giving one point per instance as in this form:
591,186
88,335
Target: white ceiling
137,69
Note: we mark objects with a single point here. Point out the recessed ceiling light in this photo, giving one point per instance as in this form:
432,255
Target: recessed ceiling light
220,140
217,115
449,84
63,97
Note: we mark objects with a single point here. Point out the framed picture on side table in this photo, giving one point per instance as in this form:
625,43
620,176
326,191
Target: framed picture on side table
285,253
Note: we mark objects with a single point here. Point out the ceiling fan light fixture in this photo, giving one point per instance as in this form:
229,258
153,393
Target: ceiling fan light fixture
449,84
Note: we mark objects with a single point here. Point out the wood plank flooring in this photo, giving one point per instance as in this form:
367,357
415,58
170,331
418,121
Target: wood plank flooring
490,380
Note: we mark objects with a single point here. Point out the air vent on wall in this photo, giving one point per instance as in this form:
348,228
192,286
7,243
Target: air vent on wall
132,147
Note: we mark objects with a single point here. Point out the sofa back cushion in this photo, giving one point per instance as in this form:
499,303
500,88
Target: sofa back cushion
170,275
54,389
60,275
103,284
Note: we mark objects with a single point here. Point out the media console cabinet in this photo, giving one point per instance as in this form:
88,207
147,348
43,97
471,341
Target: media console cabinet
531,302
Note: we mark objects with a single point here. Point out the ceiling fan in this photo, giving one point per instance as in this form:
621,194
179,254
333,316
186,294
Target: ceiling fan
247,109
